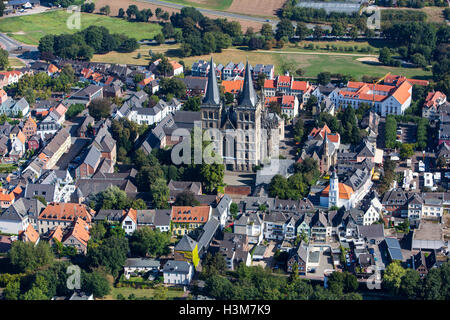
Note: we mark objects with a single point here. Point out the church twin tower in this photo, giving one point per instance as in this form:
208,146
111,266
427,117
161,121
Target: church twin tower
240,140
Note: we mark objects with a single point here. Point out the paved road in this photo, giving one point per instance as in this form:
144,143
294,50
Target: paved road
28,55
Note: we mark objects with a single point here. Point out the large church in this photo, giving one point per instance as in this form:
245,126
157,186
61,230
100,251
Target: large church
245,134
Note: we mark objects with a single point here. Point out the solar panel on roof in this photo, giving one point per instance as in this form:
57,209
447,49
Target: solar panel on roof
395,254
392,243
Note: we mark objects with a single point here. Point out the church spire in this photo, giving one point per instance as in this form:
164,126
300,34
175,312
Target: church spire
212,95
249,97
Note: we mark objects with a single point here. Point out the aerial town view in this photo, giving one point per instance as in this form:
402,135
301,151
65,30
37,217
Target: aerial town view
214,150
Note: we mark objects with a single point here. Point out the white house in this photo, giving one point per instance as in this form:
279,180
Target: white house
178,272
140,265
386,99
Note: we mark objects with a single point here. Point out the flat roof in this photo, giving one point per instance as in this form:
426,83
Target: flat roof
428,231
259,251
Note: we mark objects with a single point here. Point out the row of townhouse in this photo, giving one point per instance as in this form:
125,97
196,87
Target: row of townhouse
286,85
276,219
201,68
414,205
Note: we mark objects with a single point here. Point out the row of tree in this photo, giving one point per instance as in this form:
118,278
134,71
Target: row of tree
83,44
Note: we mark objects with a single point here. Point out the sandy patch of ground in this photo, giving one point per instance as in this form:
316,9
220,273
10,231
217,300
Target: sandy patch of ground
256,7
19,32
368,59
115,5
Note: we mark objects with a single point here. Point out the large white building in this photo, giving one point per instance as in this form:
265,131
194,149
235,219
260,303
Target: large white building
386,99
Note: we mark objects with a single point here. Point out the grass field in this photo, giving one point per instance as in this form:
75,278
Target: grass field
208,4
29,29
139,293
311,62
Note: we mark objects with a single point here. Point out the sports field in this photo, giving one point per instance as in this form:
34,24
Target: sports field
29,29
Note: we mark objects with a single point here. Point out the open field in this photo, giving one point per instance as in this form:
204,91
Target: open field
312,62
256,7
139,293
208,4
15,63
29,29
115,5
434,14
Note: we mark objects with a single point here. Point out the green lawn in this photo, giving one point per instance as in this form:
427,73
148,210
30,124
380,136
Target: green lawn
139,293
311,62
208,4
29,29
314,64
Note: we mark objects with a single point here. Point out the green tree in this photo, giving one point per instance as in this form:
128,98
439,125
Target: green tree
26,257
4,62
302,31
95,283
234,209
100,108
267,31
212,176
147,241
192,104
284,29
324,78
385,56
110,253
12,290
406,151
160,193
159,38
411,284
392,277
186,198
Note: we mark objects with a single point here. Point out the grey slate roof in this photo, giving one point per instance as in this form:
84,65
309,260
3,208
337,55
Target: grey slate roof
162,217
209,230
212,95
142,263
175,266
44,190
374,231
186,244
249,97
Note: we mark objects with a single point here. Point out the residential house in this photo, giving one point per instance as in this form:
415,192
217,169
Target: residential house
29,235
234,247
178,272
423,262
187,250
267,70
195,85
29,128
63,214
86,95
19,215
251,225
53,151
286,85
78,236
135,266
200,68
12,108
299,256
187,218
177,187
432,103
